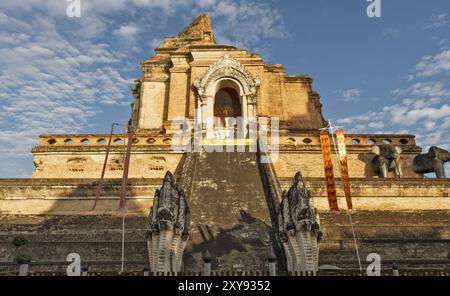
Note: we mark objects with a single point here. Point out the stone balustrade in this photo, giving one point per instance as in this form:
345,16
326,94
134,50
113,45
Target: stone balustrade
353,140
101,140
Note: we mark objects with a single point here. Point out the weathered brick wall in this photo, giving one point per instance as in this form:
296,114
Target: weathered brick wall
406,221
73,197
97,239
412,239
152,155
76,196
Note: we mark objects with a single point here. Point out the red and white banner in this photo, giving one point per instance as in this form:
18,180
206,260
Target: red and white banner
344,167
328,167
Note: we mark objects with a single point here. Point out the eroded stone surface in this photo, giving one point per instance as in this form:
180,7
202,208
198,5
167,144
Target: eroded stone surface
229,214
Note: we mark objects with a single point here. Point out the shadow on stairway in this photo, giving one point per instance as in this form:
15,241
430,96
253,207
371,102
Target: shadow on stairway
245,246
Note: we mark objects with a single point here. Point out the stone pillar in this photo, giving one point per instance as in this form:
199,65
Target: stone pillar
208,118
151,104
207,264
251,118
272,269
395,269
178,86
251,109
198,113
272,263
203,103
23,270
244,116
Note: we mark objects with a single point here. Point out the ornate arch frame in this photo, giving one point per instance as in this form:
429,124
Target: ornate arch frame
226,70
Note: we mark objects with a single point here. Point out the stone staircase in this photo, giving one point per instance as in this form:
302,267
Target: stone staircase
230,216
309,245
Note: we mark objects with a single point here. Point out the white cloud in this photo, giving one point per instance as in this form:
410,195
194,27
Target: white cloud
236,22
49,85
127,31
431,138
437,21
391,33
433,65
58,73
155,43
376,125
205,3
430,125
352,95
417,116
409,116
446,123
424,89
424,111
244,23
57,8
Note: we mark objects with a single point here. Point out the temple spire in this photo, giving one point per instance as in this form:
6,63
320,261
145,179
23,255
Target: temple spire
200,28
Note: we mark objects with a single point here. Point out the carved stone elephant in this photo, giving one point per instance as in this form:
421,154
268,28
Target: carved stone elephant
431,162
387,159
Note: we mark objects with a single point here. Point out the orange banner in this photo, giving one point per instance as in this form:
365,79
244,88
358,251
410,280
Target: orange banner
329,175
344,167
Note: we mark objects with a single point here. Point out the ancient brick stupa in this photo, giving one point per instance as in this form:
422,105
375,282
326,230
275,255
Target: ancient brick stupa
233,198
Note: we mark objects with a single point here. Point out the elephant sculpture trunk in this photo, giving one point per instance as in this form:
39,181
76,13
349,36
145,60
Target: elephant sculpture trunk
432,162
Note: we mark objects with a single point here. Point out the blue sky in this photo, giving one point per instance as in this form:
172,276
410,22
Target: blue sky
72,75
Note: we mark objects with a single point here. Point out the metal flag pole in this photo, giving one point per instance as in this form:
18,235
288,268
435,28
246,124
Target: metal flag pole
330,128
122,260
122,253
99,187
123,189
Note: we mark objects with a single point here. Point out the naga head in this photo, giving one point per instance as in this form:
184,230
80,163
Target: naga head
168,178
164,217
298,179
283,236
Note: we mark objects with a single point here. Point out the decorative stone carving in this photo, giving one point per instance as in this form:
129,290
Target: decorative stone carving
252,99
38,164
228,67
168,227
202,99
136,93
76,164
432,162
157,163
299,228
387,159
116,164
136,90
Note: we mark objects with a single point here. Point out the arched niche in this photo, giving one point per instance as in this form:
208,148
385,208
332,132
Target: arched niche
228,102
227,72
